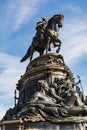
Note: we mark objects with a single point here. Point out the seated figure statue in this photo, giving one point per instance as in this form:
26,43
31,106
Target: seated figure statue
41,95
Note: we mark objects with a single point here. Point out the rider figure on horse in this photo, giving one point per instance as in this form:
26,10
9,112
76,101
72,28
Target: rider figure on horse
46,33
40,28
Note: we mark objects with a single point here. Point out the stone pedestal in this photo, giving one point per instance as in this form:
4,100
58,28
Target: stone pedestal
47,98
12,125
20,125
48,67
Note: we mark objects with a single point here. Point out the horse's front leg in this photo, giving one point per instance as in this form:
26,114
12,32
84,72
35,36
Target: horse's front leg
59,46
41,52
48,45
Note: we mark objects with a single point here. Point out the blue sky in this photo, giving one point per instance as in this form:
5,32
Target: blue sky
17,27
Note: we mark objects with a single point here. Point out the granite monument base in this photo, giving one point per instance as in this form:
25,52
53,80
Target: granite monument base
20,125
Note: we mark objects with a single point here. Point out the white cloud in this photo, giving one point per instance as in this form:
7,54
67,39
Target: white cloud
72,8
2,112
25,11
22,11
74,46
11,69
74,39
10,73
15,13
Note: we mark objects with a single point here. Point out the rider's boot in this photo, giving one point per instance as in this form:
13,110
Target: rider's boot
55,44
49,49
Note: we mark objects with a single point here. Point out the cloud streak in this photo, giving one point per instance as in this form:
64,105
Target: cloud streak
74,46
15,13
22,11
10,73
2,112
25,11
74,39
72,8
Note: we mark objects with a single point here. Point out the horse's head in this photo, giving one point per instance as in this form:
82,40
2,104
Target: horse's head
60,20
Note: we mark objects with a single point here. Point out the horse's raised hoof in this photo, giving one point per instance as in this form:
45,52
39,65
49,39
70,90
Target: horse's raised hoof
49,49
55,45
57,51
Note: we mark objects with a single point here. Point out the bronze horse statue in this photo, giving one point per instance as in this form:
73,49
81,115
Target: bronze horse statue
50,36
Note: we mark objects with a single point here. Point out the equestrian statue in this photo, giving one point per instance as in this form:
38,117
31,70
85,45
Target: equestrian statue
46,33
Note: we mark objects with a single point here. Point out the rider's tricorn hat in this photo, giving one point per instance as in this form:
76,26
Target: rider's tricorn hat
44,18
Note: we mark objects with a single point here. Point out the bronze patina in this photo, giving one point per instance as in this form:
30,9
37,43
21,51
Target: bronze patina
47,33
48,90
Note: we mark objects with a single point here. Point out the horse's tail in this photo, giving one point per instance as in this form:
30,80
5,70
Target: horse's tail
27,55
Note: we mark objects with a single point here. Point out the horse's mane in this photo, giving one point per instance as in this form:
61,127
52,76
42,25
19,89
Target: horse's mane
50,20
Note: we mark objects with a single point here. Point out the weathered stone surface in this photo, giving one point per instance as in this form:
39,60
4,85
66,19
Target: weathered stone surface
19,125
49,97
47,67
47,93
